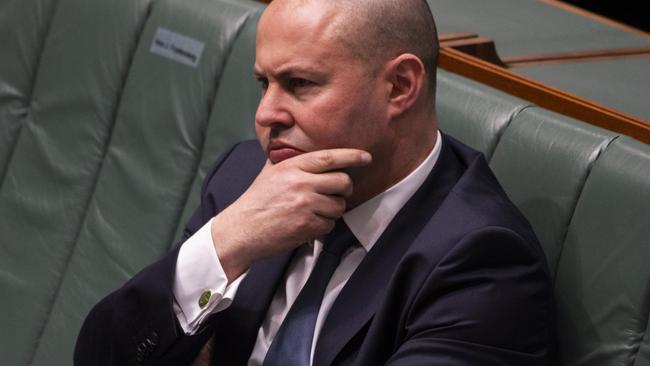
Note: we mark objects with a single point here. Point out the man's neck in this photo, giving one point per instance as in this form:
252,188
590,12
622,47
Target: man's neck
391,168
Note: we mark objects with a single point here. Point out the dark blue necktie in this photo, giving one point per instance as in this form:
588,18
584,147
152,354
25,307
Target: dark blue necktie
292,344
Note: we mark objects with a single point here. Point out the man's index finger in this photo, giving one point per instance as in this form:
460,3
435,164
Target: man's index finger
333,159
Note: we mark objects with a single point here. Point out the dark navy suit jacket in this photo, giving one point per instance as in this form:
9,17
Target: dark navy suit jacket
457,278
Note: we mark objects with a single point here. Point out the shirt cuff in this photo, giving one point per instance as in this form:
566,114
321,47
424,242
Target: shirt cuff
200,283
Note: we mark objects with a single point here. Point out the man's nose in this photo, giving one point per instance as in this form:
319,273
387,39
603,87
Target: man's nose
273,110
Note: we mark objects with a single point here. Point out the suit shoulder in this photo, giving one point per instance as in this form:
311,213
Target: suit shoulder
476,206
481,200
232,174
245,154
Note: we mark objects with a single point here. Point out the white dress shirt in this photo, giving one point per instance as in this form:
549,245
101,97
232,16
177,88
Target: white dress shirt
198,270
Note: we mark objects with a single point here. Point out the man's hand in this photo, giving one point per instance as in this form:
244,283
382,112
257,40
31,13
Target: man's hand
288,204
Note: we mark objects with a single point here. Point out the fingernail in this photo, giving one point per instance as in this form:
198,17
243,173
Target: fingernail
366,157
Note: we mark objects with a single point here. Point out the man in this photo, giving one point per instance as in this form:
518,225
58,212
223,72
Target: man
436,266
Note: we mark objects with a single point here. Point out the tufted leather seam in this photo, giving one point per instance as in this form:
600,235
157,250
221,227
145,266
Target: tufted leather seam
635,347
70,255
597,154
197,165
515,112
645,334
29,93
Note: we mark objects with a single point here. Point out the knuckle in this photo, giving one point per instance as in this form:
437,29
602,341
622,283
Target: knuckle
304,226
343,206
295,181
346,180
295,185
324,226
302,223
302,202
346,184
339,210
326,158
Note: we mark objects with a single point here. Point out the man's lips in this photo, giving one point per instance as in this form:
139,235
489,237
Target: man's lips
279,151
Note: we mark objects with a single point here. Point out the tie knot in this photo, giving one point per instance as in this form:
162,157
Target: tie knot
339,239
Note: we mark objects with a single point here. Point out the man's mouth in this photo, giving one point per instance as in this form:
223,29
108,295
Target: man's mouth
279,151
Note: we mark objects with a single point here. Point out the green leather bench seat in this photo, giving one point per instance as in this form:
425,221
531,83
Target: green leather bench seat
105,144
460,102
621,84
158,156
530,27
586,191
542,161
23,26
603,272
67,99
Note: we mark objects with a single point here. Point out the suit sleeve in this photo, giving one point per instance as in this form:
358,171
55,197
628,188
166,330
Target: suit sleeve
136,324
487,302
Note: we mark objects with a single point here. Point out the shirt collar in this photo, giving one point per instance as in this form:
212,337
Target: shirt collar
369,220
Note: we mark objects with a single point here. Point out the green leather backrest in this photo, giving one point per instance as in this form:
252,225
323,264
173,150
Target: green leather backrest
462,103
542,161
603,274
586,192
23,25
57,151
106,142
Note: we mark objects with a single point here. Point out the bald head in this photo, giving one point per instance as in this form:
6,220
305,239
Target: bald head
381,29
377,30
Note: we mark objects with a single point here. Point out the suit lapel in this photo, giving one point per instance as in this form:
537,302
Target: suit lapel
364,291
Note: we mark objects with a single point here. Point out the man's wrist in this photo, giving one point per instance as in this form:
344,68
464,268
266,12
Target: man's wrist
230,252
200,284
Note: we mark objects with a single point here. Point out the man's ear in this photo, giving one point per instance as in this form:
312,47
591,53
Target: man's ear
405,75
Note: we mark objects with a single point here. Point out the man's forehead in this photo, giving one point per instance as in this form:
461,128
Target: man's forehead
298,37
300,17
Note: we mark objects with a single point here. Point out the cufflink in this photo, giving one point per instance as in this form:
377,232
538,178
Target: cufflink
205,298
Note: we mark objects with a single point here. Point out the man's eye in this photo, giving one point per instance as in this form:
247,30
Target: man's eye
299,83
264,82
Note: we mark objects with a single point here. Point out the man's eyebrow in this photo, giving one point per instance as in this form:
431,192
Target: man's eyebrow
285,72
